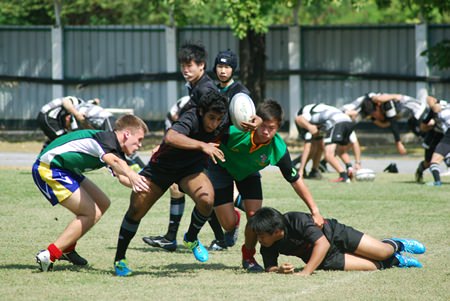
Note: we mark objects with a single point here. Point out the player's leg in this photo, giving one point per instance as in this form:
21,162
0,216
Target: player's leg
140,204
357,263
330,156
102,204
199,188
168,241
252,195
442,149
227,216
383,254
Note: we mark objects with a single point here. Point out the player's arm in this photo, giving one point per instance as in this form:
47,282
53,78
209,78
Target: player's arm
356,149
69,107
302,122
434,105
319,251
385,97
254,123
181,141
125,174
305,157
290,174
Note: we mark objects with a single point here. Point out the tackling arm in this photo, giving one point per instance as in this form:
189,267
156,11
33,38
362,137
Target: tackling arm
320,249
125,174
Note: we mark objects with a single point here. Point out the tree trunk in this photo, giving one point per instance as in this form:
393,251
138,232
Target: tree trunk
252,51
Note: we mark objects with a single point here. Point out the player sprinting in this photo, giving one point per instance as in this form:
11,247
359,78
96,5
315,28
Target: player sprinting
181,158
335,247
58,173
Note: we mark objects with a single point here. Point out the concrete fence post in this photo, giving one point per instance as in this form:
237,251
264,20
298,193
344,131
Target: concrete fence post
294,79
171,65
57,61
421,61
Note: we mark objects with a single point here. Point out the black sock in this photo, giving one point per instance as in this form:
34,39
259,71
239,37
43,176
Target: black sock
216,227
421,167
127,231
389,263
398,246
343,175
176,213
348,165
434,168
197,222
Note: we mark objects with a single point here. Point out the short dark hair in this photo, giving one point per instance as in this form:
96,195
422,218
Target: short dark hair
191,51
270,109
367,106
213,101
267,220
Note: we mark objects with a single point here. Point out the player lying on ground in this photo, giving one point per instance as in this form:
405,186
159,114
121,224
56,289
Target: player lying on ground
335,247
58,173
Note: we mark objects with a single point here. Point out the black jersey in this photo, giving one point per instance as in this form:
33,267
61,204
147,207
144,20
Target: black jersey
171,158
233,89
200,88
300,235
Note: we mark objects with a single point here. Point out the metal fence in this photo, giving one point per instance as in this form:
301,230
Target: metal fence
121,64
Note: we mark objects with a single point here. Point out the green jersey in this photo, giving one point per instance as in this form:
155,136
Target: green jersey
243,157
81,151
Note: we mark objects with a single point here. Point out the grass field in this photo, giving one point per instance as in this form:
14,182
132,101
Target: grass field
392,205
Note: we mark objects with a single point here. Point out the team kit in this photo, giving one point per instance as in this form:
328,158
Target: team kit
215,145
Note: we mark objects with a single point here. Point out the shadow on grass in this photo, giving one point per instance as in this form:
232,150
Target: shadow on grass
169,270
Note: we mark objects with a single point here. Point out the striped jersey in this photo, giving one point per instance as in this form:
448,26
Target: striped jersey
81,151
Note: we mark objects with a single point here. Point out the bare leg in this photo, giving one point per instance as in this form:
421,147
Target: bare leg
226,216
251,206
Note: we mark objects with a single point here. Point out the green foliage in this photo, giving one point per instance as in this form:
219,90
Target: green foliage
439,55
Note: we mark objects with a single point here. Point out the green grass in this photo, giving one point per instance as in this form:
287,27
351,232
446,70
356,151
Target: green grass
392,205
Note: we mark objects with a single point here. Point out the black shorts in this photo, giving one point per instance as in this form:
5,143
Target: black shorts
164,178
249,188
443,148
52,128
345,240
340,133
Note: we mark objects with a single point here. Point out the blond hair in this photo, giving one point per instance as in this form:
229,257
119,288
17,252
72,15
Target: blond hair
130,121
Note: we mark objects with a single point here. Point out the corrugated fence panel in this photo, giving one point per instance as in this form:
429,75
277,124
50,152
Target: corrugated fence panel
437,33
25,51
96,52
389,50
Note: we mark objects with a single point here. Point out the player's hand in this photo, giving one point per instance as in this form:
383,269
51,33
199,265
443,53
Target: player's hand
255,122
286,268
212,150
314,130
318,219
139,183
401,148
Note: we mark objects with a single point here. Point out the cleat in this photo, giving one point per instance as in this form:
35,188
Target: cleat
121,268
200,252
217,245
232,236
438,183
252,266
407,262
323,166
341,180
314,174
74,258
419,176
410,245
160,242
43,259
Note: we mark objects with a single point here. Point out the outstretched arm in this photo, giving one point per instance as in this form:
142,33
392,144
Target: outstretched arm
181,141
320,249
303,192
125,174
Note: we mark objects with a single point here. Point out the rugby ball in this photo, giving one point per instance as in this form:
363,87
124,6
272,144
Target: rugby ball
241,109
365,174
